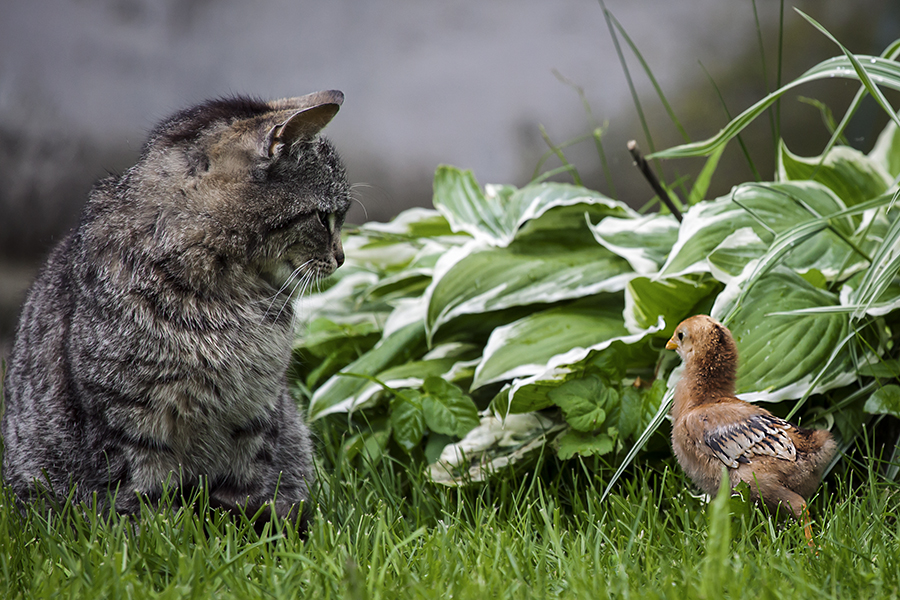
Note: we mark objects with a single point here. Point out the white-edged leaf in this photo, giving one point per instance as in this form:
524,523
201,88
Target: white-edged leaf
476,279
644,241
781,355
495,215
850,174
886,71
768,209
729,258
339,393
534,388
493,445
649,300
887,149
528,346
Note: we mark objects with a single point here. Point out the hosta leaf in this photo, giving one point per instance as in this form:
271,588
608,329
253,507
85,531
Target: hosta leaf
527,346
495,216
887,149
532,392
781,355
413,223
448,410
648,300
459,198
730,257
583,401
644,242
884,401
407,419
850,174
338,394
475,280
586,444
493,445
407,375
767,209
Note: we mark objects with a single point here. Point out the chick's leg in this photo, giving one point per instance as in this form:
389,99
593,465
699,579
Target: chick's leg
767,487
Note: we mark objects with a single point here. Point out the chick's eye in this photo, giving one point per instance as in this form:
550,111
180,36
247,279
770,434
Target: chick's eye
680,335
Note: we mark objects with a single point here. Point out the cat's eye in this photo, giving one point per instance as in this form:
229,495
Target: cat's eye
326,219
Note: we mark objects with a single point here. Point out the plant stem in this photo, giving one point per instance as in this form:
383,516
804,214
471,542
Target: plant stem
651,178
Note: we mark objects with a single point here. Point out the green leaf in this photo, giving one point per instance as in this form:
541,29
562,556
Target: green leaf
338,393
849,173
884,401
494,445
458,197
407,419
582,402
647,300
448,410
884,70
495,216
767,209
644,241
527,346
586,444
476,280
532,392
369,444
729,258
637,407
781,355
701,185
887,149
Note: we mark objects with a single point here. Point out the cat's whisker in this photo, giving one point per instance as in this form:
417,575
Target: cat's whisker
300,284
283,287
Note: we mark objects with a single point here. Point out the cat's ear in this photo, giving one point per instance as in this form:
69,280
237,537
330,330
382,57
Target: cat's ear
306,117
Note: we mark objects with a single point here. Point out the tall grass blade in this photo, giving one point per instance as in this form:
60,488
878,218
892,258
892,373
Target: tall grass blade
638,445
744,150
867,80
652,78
884,267
704,178
886,71
634,95
762,62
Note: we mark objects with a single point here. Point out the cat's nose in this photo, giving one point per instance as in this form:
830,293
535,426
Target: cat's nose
338,251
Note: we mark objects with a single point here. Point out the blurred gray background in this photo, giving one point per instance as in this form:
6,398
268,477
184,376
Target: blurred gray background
460,82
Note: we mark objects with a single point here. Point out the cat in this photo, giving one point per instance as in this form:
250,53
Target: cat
152,349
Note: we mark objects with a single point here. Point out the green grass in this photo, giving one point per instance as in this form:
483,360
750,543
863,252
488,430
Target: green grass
386,533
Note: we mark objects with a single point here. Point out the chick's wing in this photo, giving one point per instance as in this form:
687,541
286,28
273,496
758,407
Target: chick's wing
735,434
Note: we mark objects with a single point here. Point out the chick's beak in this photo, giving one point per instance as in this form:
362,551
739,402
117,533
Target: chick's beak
672,344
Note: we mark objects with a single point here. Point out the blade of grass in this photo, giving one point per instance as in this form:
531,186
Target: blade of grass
557,150
890,53
596,133
704,178
638,445
634,95
746,152
867,80
887,70
762,61
662,97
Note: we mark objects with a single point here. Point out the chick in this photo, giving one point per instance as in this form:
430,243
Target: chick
781,463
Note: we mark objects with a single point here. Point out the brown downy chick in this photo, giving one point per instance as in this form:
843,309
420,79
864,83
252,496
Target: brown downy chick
781,463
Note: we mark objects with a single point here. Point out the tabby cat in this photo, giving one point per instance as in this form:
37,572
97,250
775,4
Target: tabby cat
153,347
